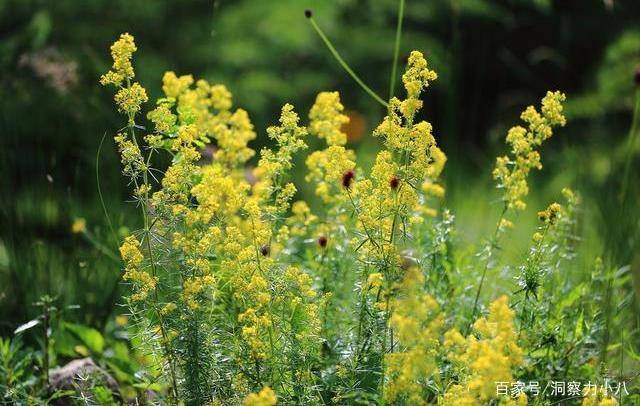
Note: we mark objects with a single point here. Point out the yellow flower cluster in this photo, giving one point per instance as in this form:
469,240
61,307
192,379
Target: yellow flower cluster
326,118
266,397
289,137
416,77
129,99
550,214
483,359
595,397
173,86
132,161
327,167
416,321
404,174
512,171
221,242
134,272
193,287
130,96
121,52
163,119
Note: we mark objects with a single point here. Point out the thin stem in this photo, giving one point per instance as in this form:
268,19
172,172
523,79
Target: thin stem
344,65
147,234
104,207
396,49
492,243
45,325
630,147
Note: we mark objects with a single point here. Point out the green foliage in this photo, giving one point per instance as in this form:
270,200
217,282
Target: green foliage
17,378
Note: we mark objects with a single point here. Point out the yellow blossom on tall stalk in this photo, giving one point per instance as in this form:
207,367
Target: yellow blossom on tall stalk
404,174
121,52
237,290
289,137
512,171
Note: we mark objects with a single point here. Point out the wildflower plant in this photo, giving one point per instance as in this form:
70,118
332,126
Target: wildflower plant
244,295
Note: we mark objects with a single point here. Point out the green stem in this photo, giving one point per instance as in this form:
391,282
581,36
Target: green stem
492,243
104,207
147,235
344,65
396,49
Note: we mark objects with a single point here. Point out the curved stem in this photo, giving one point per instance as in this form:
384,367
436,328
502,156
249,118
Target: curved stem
396,50
104,206
344,65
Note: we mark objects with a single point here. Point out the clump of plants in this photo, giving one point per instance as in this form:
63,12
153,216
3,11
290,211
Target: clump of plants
245,295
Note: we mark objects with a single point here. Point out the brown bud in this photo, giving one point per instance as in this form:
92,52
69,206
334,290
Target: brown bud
308,13
322,241
347,178
394,182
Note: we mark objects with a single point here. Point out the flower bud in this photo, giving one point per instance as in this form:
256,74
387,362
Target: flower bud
394,182
347,178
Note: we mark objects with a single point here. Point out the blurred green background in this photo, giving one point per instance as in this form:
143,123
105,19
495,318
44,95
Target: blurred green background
493,57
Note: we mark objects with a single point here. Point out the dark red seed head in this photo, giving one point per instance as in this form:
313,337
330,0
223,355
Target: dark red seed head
347,178
394,182
308,13
265,250
636,76
322,241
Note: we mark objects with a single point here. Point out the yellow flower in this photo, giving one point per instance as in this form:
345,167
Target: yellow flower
487,357
121,320
326,169
326,119
511,172
416,322
433,189
79,225
163,118
133,259
505,224
550,214
174,86
192,289
129,99
597,397
266,397
416,77
121,52
375,280
168,308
